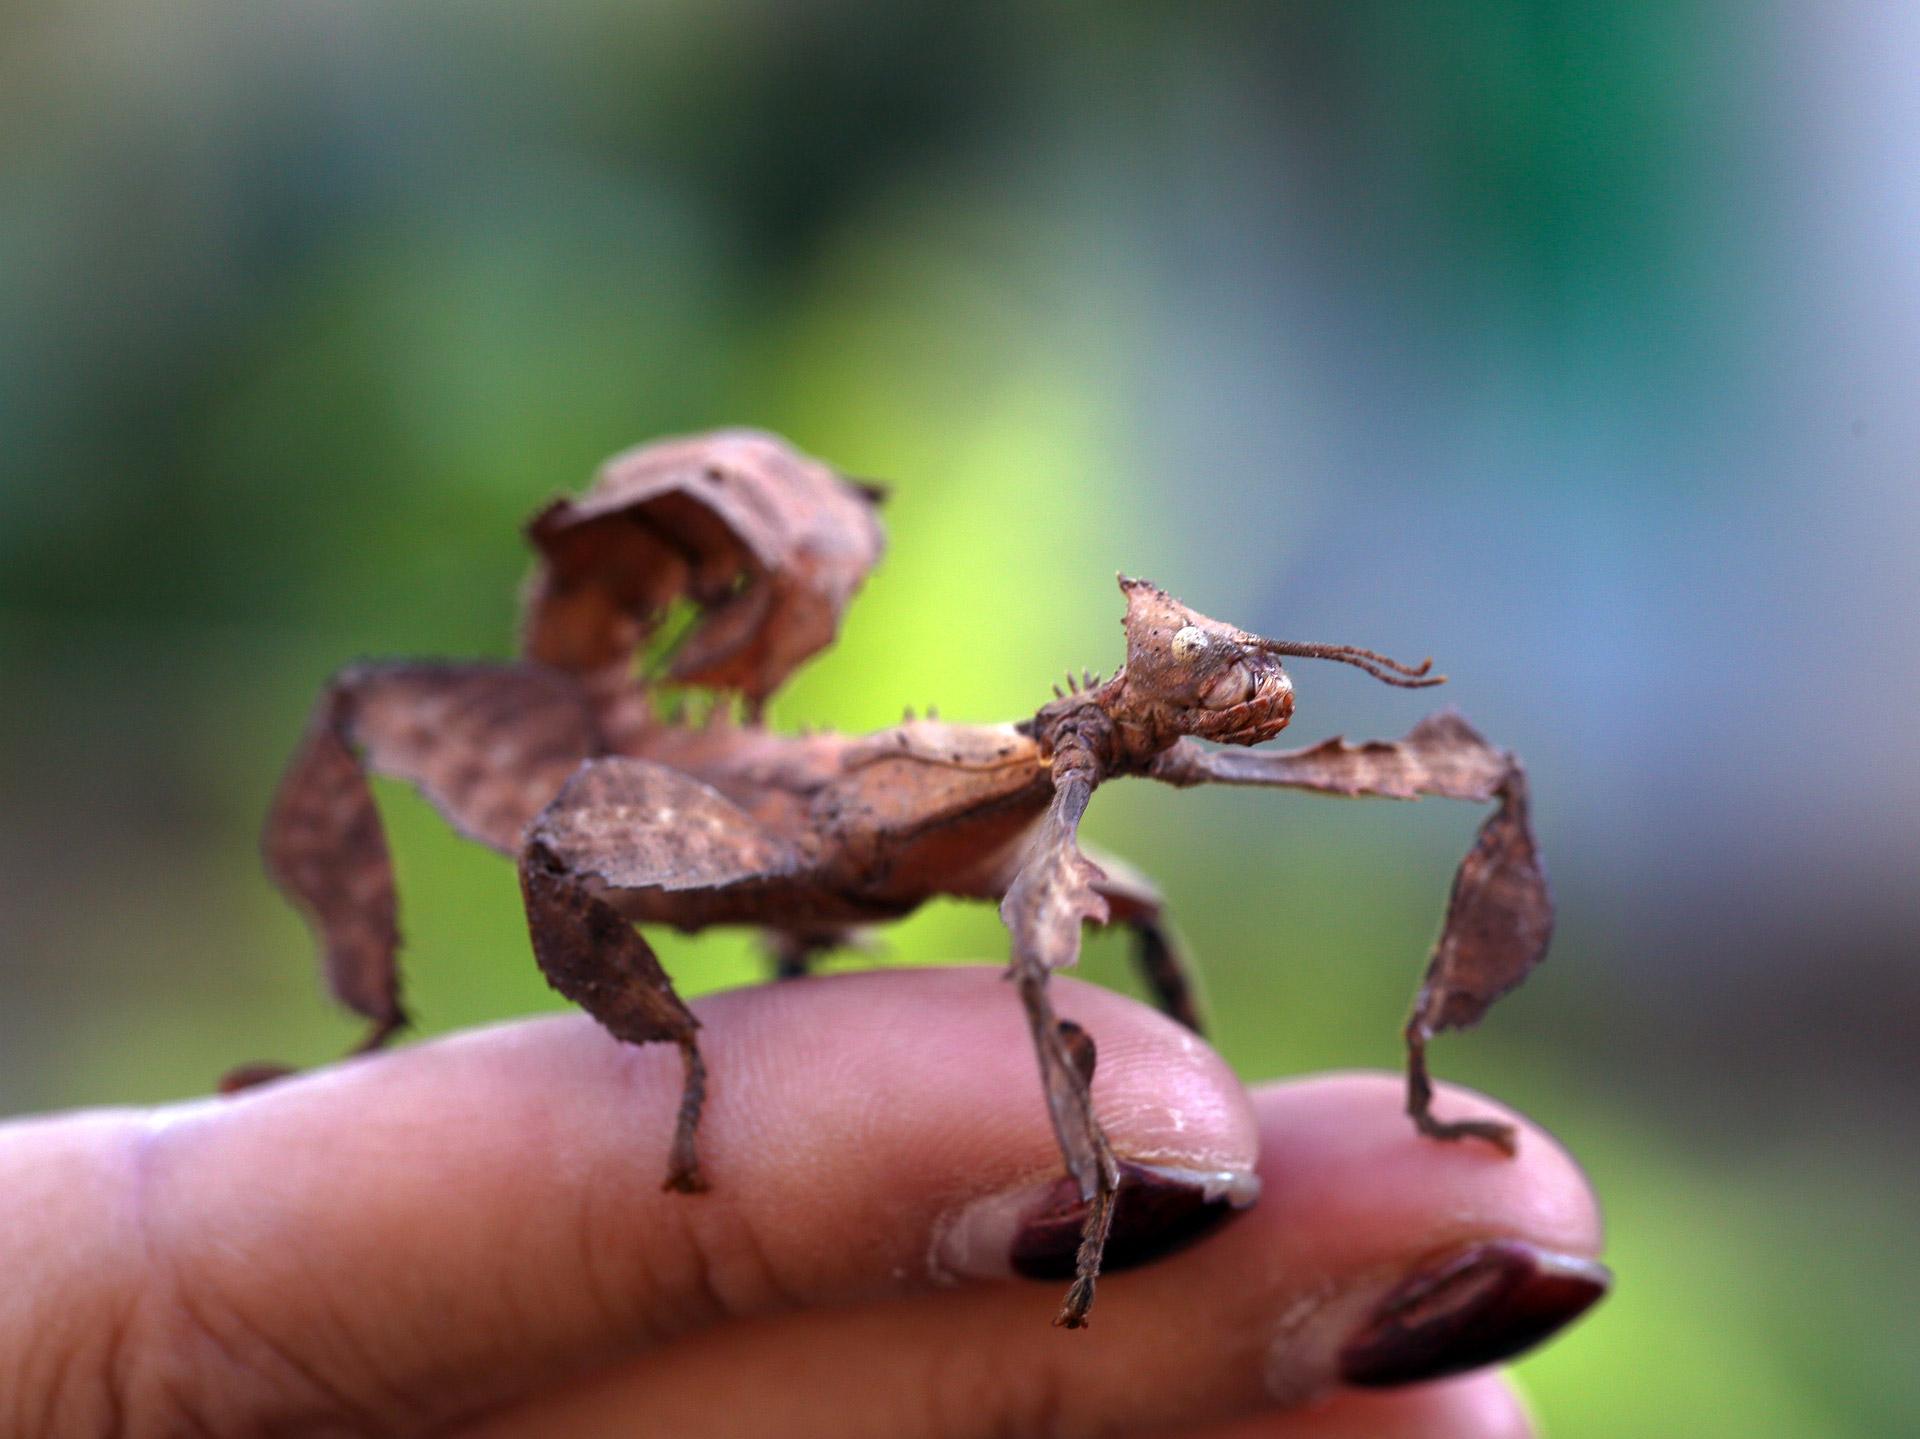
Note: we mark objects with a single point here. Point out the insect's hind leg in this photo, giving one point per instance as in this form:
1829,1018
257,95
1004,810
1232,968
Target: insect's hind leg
250,1076
487,744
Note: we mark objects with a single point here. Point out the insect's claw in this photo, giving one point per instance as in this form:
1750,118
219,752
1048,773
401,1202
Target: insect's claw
1074,1309
1503,1137
686,1181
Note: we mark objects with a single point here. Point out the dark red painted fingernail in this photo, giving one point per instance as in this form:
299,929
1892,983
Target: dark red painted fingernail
1471,1308
1155,1212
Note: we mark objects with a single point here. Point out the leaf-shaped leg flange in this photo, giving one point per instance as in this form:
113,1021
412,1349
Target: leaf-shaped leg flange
487,744
598,960
1500,915
626,839
1499,922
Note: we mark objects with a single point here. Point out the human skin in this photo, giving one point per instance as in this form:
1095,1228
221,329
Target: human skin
468,1236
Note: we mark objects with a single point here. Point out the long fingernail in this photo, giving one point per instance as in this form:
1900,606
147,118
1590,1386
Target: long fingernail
1155,1212
1036,1232
1468,1309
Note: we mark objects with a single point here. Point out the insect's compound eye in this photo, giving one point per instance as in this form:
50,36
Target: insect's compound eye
1188,642
1232,686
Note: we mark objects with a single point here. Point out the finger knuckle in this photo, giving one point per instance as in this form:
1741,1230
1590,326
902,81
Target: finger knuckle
195,1352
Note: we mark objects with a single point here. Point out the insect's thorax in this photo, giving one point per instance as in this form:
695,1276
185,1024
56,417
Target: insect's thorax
920,808
932,808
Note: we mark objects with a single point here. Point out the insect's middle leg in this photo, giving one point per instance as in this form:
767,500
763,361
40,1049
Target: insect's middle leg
793,955
794,952
624,832
598,960
1158,954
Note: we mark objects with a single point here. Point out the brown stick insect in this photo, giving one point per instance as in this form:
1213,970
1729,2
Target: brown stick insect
619,814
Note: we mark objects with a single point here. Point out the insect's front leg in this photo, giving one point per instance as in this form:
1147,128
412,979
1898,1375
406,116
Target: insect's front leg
1055,892
1066,1057
1500,914
1499,921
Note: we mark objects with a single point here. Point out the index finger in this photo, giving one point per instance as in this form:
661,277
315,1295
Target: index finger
423,1234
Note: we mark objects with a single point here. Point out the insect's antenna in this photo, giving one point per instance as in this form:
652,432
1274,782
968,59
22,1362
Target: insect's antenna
1387,671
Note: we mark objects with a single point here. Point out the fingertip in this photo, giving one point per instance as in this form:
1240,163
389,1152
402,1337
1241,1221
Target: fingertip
1347,1146
1437,1257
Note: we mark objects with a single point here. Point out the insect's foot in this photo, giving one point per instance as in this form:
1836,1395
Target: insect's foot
1502,1137
686,1179
251,1076
1074,1309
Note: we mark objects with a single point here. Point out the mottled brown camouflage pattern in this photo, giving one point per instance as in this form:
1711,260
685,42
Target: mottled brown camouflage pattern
620,813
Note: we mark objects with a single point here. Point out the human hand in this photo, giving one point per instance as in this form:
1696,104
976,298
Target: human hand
469,1236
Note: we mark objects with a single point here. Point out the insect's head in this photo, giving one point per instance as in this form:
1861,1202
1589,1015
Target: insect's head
1187,674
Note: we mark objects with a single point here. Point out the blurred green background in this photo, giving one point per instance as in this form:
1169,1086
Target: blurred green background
1575,345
